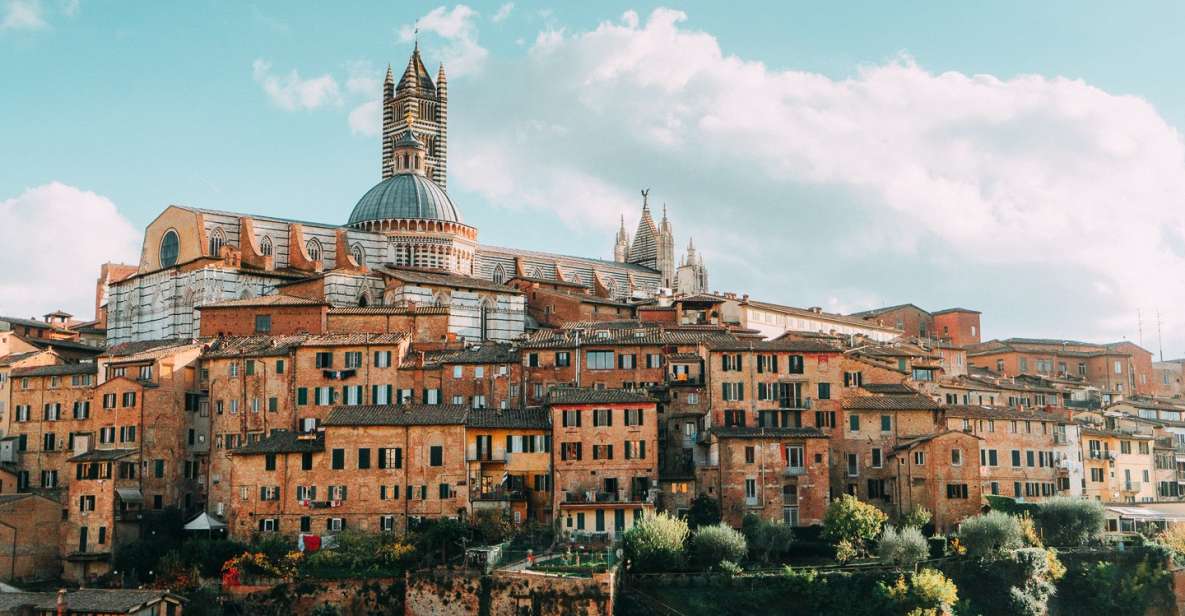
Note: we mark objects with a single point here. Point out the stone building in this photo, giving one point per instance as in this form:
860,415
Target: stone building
508,452
29,525
604,459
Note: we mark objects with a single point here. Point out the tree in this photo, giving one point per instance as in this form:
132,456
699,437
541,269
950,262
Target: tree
704,511
989,534
768,539
656,543
1070,522
491,526
852,522
918,517
711,545
904,548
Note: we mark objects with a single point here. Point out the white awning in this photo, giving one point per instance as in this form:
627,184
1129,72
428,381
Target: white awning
129,495
204,522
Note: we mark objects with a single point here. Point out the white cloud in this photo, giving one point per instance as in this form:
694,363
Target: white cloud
22,15
367,119
290,92
503,12
57,271
1062,185
362,78
461,52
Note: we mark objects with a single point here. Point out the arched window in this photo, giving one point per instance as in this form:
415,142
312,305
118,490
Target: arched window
265,246
363,300
217,239
313,247
487,308
537,273
169,247
358,253
499,274
442,299
611,285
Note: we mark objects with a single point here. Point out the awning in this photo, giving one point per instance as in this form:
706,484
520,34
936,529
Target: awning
129,495
204,522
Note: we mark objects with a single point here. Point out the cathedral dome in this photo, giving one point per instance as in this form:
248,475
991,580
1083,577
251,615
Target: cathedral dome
405,195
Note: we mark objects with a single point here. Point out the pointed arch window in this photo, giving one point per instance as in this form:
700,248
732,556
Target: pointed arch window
265,246
499,274
313,247
358,253
487,309
217,239
537,272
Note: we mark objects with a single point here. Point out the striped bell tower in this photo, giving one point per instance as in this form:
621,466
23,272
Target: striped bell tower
416,99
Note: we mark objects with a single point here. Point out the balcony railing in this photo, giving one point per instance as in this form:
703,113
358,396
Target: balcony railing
620,496
500,494
794,471
1101,454
1131,486
1059,438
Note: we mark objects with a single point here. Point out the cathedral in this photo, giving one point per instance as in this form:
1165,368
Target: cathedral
404,243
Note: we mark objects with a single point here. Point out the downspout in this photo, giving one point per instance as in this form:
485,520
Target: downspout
578,370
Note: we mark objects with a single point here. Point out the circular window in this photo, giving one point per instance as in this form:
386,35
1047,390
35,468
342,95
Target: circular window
168,249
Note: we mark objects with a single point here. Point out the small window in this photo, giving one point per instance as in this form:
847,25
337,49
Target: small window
169,248
263,323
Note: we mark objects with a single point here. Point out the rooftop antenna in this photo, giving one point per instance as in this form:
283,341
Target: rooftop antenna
1159,338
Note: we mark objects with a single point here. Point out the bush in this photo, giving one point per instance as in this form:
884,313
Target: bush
704,511
656,543
1173,539
1133,585
937,546
928,592
731,568
769,540
712,544
491,527
917,518
989,534
1070,521
1020,581
852,521
903,548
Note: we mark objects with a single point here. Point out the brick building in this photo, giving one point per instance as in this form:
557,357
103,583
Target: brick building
604,459
29,526
939,471
508,452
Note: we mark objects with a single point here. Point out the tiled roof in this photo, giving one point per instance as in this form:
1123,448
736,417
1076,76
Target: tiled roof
12,498
1001,412
824,316
88,600
890,403
876,312
583,395
949,310
355,339
402,415
46,343
25,322
562,283
13,358
754,432
913,442
152,349
794,346
103,455
443,278
57,370
266,300
253,346
547,256
610,324
889,388
683,357
399,310
702,298
1102,431
619,335
532,418
485,353
284,441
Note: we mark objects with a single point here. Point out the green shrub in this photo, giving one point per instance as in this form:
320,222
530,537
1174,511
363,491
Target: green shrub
852,521
989,534
656,543
903,548
1070,521
928,592
704,511
731,568
769,540
1130,585
1016,582
937,546
491,527
712,544
917,518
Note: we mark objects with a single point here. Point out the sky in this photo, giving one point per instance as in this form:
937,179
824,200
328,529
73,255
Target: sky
1022,159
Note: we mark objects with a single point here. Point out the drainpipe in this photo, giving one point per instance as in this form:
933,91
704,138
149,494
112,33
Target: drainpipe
578,358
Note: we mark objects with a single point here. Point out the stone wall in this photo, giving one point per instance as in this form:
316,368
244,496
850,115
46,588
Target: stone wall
508,593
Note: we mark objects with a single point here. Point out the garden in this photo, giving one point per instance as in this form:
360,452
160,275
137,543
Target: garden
1049,558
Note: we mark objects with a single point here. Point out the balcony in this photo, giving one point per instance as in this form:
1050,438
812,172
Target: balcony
794,471
685,379
500,494
1131,486
796,404
1059,438
589,497
1103,454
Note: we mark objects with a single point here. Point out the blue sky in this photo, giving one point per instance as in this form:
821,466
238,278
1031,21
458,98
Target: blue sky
1023,159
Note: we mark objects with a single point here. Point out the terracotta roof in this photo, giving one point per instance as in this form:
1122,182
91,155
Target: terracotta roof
563,283
266,300
103,455
683,357
754,432
702,298
584,395
824,316
890,403
796,346
25,322
485,353
150,349
89,600
889,388
532,418
355,339
949,310
618,335
444,278
284,441
402,415
56,370
876,312
913,442
399,309
1001,412
253,346
13,358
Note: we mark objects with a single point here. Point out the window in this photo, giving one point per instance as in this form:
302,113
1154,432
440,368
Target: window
956,490
853,423
600,360
877,461
956,457
602,417
533,360
382,359
635,450
853,465
750,454
339,459
436,456
324,360
158,468
263,323
886,423
627,361
129,399
563,359
571,418
633,417
313,248
602,452
751,491
919,458
169,247
216,239
363,458
824,419
824,391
